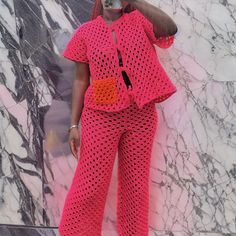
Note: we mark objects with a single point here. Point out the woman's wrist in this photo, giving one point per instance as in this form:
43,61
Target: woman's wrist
73,126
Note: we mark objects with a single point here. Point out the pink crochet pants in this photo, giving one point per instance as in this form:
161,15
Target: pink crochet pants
131,132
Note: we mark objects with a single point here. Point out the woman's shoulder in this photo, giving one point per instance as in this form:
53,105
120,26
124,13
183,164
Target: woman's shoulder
135,13
87,25
138,17
84,26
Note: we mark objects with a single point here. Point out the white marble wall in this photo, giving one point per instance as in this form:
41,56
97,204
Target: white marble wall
193,171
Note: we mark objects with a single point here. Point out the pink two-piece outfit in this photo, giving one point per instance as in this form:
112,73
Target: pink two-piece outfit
119,114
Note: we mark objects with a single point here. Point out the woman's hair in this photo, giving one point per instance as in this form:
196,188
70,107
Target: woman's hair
98,9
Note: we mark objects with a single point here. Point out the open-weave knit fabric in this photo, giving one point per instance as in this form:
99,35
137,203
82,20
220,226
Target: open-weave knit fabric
93,43
130,131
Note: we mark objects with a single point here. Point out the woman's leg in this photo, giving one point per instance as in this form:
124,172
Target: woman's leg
134,155
84,205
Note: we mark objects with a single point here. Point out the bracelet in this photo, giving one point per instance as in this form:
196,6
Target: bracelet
73,126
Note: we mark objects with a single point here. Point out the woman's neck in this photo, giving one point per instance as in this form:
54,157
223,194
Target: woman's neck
112,15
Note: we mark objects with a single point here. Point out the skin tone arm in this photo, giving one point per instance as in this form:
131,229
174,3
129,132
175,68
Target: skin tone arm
80,86
163,25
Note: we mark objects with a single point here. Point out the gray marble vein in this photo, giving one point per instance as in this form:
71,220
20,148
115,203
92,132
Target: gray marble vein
193,168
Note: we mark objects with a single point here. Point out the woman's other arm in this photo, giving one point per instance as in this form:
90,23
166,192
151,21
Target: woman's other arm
79,88
80,85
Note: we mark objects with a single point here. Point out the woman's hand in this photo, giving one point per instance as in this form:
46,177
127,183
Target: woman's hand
74,141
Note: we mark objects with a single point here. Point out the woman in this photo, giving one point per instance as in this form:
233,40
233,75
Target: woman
117,111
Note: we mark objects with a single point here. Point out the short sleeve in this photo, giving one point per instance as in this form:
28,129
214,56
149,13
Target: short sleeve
76,49
162,42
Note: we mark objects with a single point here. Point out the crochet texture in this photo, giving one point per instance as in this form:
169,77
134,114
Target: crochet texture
131,132
93,43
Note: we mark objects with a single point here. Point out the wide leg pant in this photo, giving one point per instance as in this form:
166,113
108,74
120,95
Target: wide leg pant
131,132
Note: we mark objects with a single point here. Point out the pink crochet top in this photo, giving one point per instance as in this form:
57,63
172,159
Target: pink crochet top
93,43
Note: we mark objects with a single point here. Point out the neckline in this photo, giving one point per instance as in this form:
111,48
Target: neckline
113,22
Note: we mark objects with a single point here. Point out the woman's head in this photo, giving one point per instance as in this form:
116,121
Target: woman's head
99,5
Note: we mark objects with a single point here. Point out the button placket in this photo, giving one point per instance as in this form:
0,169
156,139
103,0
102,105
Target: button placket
120,60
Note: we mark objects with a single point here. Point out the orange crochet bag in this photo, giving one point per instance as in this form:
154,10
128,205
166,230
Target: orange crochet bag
105,91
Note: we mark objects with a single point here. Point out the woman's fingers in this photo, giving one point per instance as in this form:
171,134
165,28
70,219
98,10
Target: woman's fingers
74,147
74,142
